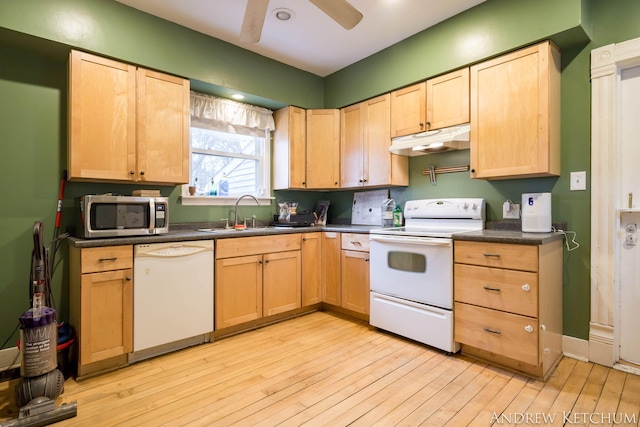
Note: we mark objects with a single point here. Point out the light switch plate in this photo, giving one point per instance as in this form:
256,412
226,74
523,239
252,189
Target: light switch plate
578,181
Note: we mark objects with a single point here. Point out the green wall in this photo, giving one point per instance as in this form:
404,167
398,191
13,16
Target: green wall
35,38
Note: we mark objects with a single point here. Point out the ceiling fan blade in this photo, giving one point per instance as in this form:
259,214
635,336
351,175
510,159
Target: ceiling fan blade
340,11
253,21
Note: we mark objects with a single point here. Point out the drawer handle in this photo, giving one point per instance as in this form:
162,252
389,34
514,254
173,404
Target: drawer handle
107,259
489,288
528,328
492,255
356,243
526,287
493,331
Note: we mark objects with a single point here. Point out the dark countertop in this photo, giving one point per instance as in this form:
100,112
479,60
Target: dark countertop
183,234
507,236
187,232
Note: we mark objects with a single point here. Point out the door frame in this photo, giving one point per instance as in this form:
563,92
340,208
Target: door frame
607,64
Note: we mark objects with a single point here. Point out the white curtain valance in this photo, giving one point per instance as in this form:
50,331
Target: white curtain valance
229,116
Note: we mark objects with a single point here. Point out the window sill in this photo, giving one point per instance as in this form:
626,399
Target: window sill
222,201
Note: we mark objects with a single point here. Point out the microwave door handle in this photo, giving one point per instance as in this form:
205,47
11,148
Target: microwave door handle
422,241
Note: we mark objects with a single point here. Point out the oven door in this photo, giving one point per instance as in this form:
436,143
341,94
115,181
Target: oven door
418,269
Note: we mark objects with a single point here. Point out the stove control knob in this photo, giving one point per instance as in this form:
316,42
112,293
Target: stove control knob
465,206
474,207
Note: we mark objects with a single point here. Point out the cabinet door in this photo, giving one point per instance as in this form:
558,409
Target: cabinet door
355,281
106,319
515,112
377,159
311,254
282,282
323,149
351,146
289,148
448,100
331,292
408,110
163,128
238,290
102,119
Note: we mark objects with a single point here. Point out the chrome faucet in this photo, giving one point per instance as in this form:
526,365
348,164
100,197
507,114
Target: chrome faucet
238,201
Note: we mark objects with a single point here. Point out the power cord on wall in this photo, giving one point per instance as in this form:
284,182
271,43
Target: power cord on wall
566,239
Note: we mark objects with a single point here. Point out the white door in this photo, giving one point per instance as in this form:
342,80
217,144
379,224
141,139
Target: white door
630,189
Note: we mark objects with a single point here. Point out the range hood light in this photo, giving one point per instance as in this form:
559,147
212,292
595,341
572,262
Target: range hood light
453,138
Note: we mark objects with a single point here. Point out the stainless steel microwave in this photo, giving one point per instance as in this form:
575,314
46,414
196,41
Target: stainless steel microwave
119,216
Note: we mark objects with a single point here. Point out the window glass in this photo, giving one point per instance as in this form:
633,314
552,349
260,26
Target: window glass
228,164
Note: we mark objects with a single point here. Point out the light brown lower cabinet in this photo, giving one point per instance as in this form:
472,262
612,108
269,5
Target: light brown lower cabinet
311,254
508,304
256,277
101,305
355,272
331,247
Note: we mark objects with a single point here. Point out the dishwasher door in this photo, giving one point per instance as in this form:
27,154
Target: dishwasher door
172,292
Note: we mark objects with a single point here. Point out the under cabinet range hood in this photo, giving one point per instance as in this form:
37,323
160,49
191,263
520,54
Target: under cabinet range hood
433,141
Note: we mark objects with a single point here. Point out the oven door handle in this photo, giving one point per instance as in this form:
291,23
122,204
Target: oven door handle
412,240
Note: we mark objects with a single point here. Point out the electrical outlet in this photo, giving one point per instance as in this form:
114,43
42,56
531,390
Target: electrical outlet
578,181
510,210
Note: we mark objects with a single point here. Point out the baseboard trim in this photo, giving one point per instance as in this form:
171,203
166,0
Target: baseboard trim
575,348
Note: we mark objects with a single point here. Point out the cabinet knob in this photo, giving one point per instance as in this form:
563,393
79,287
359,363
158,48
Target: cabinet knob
304,183
526,287
141,173
304,239
473,170
266,261
127,278
335,183
421,125
428,124
528,328
132,172
366,260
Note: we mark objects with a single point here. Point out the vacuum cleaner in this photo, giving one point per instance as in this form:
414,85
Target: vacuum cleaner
42,382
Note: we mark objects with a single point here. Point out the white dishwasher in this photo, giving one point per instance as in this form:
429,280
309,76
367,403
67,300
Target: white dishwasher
172,296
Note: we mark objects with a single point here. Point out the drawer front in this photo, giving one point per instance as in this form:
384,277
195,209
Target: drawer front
94,260
500,255
242,246
500,289
505,334
355,242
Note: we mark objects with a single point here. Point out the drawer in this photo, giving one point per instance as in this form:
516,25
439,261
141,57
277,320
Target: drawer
500,255
242,246
355,242
505,334
94,260
507,290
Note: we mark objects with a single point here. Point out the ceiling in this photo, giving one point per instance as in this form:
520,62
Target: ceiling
310,41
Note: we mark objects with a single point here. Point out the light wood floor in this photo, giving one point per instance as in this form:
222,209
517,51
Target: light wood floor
321,369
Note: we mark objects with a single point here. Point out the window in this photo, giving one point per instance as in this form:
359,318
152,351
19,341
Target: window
229,148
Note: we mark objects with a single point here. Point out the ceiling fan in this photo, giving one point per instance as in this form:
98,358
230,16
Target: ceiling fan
340,11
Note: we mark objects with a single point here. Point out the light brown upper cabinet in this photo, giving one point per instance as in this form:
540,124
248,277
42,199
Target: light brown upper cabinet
448,100
439,102
408,110
126,124
290,148
306,151
364,146
515,114
323,149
